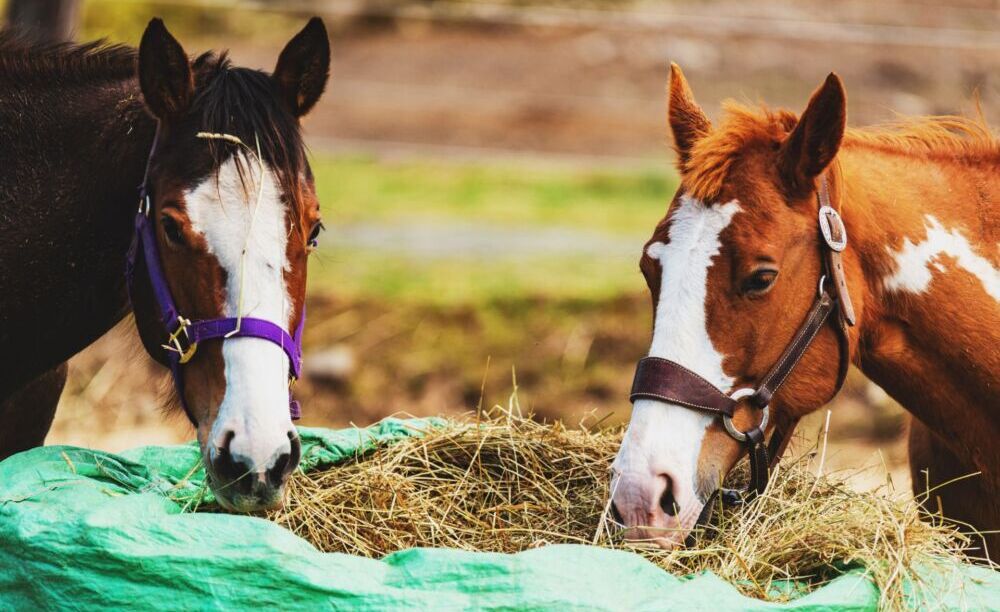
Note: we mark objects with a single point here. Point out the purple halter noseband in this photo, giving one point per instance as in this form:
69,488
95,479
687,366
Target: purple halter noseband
183,335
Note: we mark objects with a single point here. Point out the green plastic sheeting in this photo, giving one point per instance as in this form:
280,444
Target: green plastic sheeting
83,529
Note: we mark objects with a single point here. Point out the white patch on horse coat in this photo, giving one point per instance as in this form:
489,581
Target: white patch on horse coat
665,438
255,404
914,261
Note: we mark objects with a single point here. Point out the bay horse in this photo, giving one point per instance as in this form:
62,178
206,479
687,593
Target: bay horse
793,247
216,246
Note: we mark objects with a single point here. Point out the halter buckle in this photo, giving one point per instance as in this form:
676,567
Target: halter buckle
174,341
727,421
832,227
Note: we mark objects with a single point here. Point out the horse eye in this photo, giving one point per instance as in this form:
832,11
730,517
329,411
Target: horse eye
759,282
314,234
172,231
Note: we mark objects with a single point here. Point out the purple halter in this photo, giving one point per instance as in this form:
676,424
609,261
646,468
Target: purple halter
183,335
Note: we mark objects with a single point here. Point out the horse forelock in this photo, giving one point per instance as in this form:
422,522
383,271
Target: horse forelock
243,102
712,157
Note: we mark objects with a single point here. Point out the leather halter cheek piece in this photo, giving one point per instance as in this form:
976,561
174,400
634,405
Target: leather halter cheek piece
668,381
183,334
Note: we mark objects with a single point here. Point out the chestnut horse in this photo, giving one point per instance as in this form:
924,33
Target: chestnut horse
735,264
230,215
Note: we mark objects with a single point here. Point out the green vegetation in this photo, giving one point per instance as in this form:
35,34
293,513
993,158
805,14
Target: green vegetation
363,272
580,206
625,202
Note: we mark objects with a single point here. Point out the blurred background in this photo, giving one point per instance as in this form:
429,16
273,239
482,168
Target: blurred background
488,173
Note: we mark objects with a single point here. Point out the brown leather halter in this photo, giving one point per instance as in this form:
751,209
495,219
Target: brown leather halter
668,381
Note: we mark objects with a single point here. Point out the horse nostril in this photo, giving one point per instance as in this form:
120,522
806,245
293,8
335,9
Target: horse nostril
296,449
227,441
667,502
277,472
226,466
286,463
616,515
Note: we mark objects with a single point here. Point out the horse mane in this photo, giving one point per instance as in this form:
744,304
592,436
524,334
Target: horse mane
245,103
946,135
229,100
26,59
711,158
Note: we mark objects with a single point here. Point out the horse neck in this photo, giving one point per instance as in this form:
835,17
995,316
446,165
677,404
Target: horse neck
924,265
74,156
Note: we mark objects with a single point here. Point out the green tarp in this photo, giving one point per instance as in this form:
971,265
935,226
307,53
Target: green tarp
83,529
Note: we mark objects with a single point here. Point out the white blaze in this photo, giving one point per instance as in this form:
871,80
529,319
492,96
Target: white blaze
230,214
914,261
665,438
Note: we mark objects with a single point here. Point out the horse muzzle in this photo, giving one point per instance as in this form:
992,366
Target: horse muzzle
652,511
241,485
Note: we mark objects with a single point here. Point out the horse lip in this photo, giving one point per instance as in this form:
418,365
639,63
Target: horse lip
260,500
664,538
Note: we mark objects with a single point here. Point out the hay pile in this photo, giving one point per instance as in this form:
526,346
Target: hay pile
504,483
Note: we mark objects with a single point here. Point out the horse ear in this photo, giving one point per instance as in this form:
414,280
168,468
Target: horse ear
687,121
164,72
304,66
815,140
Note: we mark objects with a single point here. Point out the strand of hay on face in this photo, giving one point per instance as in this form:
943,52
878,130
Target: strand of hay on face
227,137
504,483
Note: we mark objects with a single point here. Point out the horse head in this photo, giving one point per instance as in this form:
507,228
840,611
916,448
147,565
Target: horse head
733,269
228,218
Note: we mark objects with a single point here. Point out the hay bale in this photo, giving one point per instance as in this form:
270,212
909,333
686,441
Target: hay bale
503,483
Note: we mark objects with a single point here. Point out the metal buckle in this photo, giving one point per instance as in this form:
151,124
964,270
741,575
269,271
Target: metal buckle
828,216
144,205
174,341
728,421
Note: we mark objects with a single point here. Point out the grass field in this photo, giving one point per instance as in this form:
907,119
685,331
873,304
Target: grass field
462,233
621,202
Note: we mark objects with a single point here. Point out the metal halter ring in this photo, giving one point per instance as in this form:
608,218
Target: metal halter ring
728,421
174,341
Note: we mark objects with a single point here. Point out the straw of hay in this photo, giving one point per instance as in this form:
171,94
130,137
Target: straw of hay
504,483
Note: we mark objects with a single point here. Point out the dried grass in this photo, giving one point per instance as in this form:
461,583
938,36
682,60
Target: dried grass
500,482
